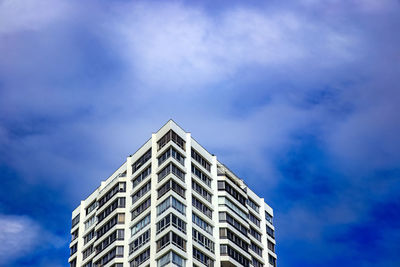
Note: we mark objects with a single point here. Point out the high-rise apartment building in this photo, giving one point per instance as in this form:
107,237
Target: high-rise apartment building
172,203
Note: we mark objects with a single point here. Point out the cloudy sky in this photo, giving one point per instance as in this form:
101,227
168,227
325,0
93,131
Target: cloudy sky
299,98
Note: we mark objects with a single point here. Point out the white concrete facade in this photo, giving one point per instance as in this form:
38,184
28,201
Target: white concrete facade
172,203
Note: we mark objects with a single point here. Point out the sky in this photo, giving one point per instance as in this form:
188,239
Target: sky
298,98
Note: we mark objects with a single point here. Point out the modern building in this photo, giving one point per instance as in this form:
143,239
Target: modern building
172,203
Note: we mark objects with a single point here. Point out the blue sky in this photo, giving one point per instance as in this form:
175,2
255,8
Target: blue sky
299,98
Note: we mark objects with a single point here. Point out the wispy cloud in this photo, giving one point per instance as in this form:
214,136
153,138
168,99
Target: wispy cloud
184,48
20,235
19,16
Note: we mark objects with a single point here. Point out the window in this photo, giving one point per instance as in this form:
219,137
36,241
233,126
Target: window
73,249
163,223
120,187
221,185
75,221
140,177
89,237
121,218
87,252
255,234
225,217
74,235
225,233
117,203
178,241
171,257
164,260
177,222
223,201
141,208
223,249
233,253
120,251
116,235
141,192
201,175
203,240
271,260
256,263
120,234
270,232
253,205
171,152
168,202
224,186
171,184
91,207
163,241
90,222
108,225
268,217
256,249
89,264
141,258
271,246
171,168
171,135
116,252
141,161
139,242
171,237
203,258
201,191
73,263
202,224
254,219
201,207
140,225
202,161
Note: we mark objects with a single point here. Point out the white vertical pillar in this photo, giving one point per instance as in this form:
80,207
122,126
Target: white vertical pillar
188,181
153,207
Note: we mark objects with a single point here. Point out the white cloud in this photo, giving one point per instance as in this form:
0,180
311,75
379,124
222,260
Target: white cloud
176,47
373,6
179,47
20,15
367,6
20,235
